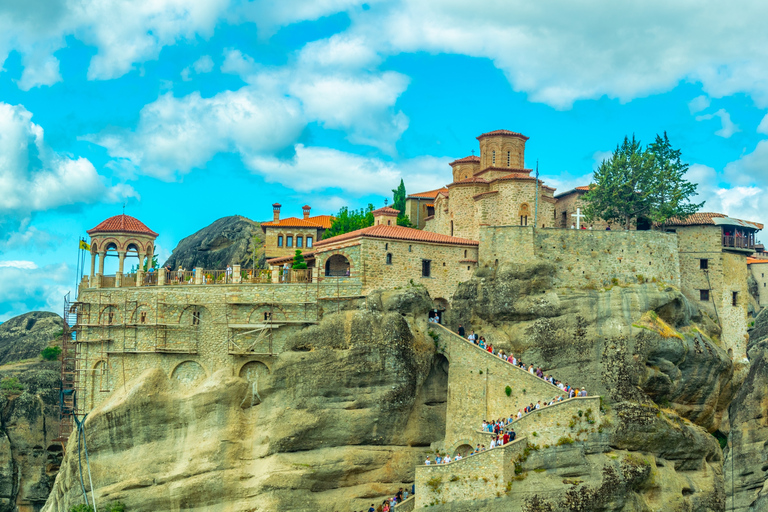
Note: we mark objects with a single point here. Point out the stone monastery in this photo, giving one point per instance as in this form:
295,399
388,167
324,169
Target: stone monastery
191,323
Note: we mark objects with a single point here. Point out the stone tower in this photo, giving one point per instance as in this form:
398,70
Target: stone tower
502,149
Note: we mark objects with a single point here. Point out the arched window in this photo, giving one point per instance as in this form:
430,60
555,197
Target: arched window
337,266
389,258
493,157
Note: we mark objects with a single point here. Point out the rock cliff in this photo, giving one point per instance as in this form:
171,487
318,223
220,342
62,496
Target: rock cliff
29,412
228,241
339,420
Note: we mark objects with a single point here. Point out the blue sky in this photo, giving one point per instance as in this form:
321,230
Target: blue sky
190,110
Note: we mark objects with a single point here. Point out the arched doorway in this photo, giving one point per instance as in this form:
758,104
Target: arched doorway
439,310
256,373
337,266
464,450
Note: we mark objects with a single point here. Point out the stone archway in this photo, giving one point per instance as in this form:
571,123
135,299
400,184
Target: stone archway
188,373
463,449
256,373
337,266
440,309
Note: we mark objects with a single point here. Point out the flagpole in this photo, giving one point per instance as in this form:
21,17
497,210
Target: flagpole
536,200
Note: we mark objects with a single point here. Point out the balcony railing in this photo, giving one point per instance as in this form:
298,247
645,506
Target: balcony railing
150,279
738,242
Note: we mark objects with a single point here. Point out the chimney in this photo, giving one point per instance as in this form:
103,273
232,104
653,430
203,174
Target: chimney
276,212
306,209
385,216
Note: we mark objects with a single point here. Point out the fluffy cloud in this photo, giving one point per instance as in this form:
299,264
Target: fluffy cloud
698,104
33,177
727,129
763,126
28,288
202,65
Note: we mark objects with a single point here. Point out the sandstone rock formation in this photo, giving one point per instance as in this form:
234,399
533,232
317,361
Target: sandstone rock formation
29,459
228,241
746,470
339,420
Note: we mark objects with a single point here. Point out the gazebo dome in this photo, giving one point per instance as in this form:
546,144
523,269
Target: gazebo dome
122,224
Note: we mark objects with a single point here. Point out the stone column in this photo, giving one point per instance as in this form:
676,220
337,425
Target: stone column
198,275
120,261
102,254
236,277
93,264
275,275
162,276
140,277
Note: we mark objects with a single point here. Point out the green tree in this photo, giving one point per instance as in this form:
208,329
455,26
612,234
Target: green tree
622,185
350,220
398,203
51,353
298,261
670,192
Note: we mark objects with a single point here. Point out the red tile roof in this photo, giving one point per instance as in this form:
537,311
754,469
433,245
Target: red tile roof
471,158
750,261
468,181
706,218
319,221
428,195
308,256
515,176
585,188
391,212
396,233
503,132
122,224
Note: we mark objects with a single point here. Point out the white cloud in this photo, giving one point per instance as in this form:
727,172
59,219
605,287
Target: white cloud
727,129
22,264
202,65
698,104
33,177
237,63
763,126
598,157
28,288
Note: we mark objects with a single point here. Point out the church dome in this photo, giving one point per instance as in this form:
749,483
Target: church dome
122,224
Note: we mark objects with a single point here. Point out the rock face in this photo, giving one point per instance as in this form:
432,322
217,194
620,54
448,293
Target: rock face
746,471
24,336
339,420
228,241
29,417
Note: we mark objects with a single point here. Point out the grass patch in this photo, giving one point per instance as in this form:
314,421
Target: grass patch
651,321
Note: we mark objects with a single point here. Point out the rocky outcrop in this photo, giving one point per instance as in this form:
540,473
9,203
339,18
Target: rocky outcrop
228,241
24,336
29,412
746,470
339,420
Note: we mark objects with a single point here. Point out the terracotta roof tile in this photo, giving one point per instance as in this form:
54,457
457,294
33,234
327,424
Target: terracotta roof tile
584,188
705,218
396,233
750,261
471,158
122,224
284,259
468,181
514,176
503,132
428,195
319,221
391,212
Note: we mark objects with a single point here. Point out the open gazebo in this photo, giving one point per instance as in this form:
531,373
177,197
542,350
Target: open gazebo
126,236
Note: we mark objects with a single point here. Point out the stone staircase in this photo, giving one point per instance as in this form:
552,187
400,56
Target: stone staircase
484,386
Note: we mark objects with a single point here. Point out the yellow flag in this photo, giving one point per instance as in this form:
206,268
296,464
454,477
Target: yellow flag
84,245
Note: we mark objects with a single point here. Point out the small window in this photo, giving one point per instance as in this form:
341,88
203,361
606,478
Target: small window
280,241
389,222
143,317
467,267
386,246
299,241
111,317
509,153
465,253
703,264
704,295
762,275
410,248
289,241
523,220
389,258
267,316
195,318
735,299
493,157
426,268
309,241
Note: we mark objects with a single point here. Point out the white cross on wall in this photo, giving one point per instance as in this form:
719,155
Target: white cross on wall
578,216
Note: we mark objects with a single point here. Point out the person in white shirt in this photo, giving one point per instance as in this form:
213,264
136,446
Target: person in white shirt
427,462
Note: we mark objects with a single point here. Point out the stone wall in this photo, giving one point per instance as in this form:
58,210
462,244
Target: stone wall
477,383
416,210
476,477
733,308
270,241
505,244
566,206
572,418
190,332
450,264
759,272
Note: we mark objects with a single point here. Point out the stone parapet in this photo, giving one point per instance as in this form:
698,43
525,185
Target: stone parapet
476,477
406,505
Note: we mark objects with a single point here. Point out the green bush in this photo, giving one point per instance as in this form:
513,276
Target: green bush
51,353
11,385
508,391
115,506
564,440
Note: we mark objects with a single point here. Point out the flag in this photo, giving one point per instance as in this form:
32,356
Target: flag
84,245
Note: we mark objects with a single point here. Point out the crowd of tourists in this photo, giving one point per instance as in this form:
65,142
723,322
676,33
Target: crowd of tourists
568,390
390,503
